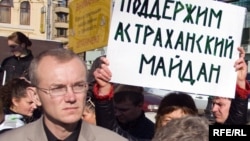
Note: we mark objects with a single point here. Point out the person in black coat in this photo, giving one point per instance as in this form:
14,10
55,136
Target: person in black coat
121,111
17,65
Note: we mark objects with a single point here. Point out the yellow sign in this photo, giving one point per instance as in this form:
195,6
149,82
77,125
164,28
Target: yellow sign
89,24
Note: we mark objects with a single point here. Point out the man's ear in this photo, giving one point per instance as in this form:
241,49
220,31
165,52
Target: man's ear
31,92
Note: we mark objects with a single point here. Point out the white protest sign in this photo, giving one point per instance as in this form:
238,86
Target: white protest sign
187,45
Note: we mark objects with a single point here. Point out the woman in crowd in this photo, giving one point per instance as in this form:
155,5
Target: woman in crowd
16,96
17,65
10,121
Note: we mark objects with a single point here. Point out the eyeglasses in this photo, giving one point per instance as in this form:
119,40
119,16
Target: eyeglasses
60,90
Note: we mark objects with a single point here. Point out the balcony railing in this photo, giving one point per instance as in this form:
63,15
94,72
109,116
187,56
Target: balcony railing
61,21
62,8
64,36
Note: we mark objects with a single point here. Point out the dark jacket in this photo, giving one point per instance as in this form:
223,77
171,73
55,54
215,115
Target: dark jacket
36,115
16,66
239,107
238,112
140,130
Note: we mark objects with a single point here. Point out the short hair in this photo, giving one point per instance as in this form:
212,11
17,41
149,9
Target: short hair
128,92
174,101
219,97
124,87
188,128
60,54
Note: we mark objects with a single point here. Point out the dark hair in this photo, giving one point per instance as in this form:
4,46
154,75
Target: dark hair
130,93
174,101
124,87
19,38
16,88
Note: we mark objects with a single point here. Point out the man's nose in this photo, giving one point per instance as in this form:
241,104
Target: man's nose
34,106
70,96
214,108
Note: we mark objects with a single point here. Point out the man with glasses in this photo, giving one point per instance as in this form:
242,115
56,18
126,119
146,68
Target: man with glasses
59,79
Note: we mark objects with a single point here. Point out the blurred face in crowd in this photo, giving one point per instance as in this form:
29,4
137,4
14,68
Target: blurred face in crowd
15,48
24,105
89,112
57,86
221,108
126,111
178,113
89,115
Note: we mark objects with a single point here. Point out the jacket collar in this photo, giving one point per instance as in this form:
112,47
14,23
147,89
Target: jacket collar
86,133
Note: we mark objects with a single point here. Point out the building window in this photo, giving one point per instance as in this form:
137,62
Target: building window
62,17
25,13
5,11
61,32
63,3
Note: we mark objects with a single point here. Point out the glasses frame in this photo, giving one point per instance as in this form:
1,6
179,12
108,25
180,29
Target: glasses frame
48,91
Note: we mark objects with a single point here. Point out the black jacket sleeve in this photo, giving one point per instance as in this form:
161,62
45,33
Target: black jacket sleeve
105,117
238,112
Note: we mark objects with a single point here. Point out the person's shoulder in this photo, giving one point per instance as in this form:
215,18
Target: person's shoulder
12,121
102,133
19,133
30,54
145,120
7,59
28,57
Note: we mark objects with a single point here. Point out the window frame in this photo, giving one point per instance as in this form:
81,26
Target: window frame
5,11
25,13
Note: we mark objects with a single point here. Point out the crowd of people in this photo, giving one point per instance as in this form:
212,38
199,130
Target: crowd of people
53,96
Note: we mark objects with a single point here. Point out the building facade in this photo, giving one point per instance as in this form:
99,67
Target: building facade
38,19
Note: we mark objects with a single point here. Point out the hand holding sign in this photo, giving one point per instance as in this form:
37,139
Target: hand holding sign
241,68
103,76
